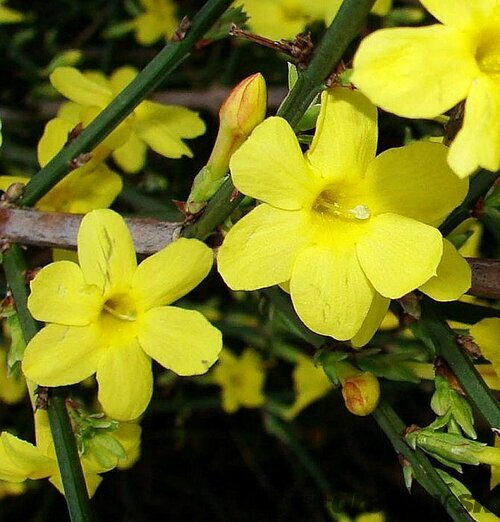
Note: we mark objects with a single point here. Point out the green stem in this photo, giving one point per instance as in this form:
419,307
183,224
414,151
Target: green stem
15,270
342,31
423,470
479,186
145,82
430,328
68,460
337,37
218,209
62,433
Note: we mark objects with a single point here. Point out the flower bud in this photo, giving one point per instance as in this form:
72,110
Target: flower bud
361,393
243,110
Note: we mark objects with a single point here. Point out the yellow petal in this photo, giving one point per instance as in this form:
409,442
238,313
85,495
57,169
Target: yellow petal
381,7
460,13
28,459
171,273
418,72
77,87
270,166
55,135
106,252
399,254
373,320
486,333
59,294
7,181
181,340
478,142
163,127
131,156
310,384
330,292
92,481
345,140
453,277
261,248
121,78
60,355
125,380
83,190
412,180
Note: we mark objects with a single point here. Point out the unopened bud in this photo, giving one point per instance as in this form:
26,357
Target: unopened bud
243,110
361,393
245,107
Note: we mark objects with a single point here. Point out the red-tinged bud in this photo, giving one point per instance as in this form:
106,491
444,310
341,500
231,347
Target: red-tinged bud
361,393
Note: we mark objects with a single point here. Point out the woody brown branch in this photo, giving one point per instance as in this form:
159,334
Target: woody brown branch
59,230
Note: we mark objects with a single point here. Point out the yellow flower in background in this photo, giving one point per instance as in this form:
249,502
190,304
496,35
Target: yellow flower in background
12,389
348,230
110,317
9,16
241,379
161,127
21,460
310,384
425,71
91,186
158,20
331,7
285,19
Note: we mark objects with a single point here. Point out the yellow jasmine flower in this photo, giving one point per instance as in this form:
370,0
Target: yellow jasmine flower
310,384
161,127
21,460
9,16
158,20
280,19
241,379
425,71
12,389
348,230
91,186
285,19
110,317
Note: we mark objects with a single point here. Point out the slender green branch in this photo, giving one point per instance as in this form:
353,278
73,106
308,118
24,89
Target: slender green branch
479,186
15,271
146,81
423,470
430,328
342,31
338,36
62,433
218,209
68,460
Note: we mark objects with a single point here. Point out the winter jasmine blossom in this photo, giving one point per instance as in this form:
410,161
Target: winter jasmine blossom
241,379
161,127
425,71
346,229
110,317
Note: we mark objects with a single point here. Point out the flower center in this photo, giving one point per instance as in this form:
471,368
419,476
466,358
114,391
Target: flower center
121,307
331,203
488,52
